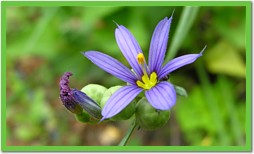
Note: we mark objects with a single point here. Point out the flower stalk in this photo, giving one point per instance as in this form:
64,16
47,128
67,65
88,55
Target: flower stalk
128,134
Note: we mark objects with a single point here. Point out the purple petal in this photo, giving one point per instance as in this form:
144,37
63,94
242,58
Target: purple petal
162,96
158,44
111,66
178,62
129,47
119,100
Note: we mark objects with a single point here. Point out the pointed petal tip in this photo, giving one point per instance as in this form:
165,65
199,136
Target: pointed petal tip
83,53
86,53
121,27
116,23
102,119
201,53
129,48
171,17
172,14
168,19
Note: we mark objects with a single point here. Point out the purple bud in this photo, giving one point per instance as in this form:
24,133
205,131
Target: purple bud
87,103
66,95
75,100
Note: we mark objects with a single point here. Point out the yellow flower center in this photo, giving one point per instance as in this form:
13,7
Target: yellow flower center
146,83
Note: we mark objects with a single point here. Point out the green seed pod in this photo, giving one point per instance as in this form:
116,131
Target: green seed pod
94,91
125,113
107,94
149,118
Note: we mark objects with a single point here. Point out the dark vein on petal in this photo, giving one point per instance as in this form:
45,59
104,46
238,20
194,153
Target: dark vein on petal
123,97
133,58
172,92
162,97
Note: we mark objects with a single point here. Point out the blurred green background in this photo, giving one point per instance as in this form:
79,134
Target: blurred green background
44,42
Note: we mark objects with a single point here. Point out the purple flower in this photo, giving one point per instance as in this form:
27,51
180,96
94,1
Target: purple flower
75,100
160,94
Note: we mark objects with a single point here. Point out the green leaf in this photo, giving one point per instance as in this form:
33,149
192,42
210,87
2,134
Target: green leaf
223,58
232,27
186,20
180,91
94,14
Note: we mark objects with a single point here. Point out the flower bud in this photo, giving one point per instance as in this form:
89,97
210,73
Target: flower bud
94,91
66,95
75,100
106,95
148,117
87,103
126,113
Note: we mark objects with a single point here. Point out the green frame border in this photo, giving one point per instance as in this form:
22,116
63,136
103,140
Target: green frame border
247,147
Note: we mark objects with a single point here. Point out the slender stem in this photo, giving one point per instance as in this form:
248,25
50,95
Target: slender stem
186,20
128,134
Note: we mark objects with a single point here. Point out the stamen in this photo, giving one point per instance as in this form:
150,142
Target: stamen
141,58
142,62
140,84
153,77
146,82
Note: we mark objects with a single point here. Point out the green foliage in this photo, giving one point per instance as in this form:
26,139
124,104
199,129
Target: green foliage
200,128
223,58
180,91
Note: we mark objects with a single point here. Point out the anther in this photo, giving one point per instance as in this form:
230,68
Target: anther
141,58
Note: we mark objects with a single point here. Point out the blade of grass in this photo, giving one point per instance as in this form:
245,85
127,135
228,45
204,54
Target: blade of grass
212,104
229,102
93,15
186,20
40,27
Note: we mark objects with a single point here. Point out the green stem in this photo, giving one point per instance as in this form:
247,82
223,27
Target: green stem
185,22
128,134
40,27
